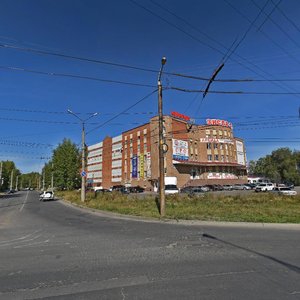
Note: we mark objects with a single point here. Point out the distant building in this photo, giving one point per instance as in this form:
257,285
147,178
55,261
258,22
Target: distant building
196,155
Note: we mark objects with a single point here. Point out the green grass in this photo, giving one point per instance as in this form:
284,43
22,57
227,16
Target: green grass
262,207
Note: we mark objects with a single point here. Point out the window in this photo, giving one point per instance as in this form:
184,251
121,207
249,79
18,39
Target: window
208,145
216,157
222,157
209,157
221,146
215,146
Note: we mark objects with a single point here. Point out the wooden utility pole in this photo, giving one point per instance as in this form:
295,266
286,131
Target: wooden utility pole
161,143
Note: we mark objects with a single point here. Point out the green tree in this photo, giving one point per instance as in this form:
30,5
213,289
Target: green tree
32,180
9,168
66,165
282,165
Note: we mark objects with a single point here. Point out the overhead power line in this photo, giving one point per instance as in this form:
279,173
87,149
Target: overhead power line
124,111
74,76
232,92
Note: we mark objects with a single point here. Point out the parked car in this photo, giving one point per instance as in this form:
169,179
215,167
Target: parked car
47,195
251,185
102,191
120,188
215,187
227,187
284,191
196,191
171,189
240,187
136,189
264,187
186,189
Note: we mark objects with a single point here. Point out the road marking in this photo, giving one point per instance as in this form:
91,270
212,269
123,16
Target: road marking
24,201
75,288
20,238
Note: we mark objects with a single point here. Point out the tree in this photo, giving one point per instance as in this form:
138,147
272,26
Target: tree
9,168
66,165
281,166
30,180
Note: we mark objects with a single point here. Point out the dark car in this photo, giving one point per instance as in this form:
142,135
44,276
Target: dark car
215,187
186,189
136,189
120,188
196,191
102,191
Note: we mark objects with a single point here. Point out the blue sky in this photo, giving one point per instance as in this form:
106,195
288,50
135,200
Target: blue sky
195,36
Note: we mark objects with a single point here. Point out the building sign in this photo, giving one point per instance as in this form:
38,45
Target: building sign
141,164
148,164
219,123
214,140
180,116
134,162
240,153
221,176
180,149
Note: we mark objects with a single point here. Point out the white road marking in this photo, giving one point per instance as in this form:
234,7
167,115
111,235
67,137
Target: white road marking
21,241
24,201
32,244
20,238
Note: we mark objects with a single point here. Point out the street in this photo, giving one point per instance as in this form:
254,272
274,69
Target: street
50,250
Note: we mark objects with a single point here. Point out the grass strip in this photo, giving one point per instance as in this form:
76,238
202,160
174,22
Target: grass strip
255,207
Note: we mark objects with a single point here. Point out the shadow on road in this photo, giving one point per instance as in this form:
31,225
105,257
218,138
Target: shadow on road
285,264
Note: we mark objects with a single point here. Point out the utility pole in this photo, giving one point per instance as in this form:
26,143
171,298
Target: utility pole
83,171
161,143
1,166
11,179
17,181
43,180
52,179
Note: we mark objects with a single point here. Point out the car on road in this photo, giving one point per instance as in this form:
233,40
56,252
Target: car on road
47,195
284,191
264,187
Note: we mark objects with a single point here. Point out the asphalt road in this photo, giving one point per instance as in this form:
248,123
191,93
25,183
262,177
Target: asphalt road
49,250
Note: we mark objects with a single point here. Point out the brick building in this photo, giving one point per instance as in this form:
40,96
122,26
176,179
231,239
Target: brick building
196,155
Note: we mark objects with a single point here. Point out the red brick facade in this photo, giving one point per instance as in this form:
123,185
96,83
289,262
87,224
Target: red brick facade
211,155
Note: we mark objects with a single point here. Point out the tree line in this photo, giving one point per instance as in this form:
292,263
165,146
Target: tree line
61,172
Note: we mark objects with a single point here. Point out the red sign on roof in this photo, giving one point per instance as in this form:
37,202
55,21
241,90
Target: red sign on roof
180,116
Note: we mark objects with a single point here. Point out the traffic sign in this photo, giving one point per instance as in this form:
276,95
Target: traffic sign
83,173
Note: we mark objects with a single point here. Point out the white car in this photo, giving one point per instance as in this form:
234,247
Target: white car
46,195
284,191
264,187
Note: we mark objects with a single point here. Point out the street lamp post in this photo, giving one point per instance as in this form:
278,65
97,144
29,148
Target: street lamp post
161,142
83,121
